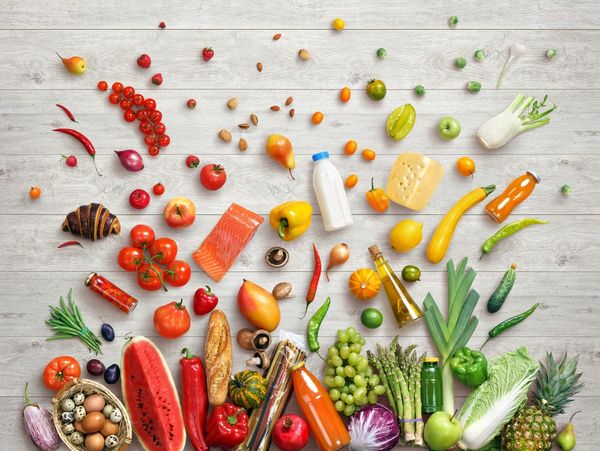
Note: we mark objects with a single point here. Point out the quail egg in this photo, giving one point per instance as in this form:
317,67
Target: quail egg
67,405
116,416
108,410
67,417
76,438
79,413
111,441
78,398
68,428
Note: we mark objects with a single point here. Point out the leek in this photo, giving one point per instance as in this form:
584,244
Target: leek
523,114
455,330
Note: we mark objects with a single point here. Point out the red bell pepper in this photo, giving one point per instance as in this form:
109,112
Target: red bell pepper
227,426
195,401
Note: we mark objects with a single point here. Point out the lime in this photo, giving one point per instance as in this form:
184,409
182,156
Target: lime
371,318
411,273
406,235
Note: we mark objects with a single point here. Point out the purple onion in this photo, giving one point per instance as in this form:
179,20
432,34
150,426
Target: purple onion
39,425
130,159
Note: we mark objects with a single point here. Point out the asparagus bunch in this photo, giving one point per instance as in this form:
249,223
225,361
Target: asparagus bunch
400,372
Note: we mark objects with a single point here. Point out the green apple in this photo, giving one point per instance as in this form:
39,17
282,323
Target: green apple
448,127
442,431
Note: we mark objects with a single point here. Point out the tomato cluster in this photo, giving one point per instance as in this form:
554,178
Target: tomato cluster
135,106
160,266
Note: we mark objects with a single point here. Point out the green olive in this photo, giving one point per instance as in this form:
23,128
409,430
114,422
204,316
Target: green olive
411,273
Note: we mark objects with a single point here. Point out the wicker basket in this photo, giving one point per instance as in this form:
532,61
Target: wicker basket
89,387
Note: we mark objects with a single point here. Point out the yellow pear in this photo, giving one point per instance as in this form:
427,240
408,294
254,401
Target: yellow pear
76,64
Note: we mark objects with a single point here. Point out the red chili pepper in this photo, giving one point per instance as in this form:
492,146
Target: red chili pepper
314,283
70,243
87,144
195,401
67,112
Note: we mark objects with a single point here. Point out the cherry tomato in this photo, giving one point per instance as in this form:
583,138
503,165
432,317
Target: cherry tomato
154,116
350,147
317,118
35,192
345,94
59,371
150,140
102,86
138,100
150,277
129,115
153,150
369,154
114,98
178,273
213,176
150,104
163,250
164,140
130,258
376,89
160,129
126,104
128,92
158,189
117,87
141,115
172,320
465,166
142,236
139,199
145,127
351,181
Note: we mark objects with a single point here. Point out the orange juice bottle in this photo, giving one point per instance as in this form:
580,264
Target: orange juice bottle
325,423
516,192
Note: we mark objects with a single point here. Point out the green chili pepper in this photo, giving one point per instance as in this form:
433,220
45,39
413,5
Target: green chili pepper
506,231
508,323
312,332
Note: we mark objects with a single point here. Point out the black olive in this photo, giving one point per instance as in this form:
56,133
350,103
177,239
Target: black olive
95,367
112,374
108,333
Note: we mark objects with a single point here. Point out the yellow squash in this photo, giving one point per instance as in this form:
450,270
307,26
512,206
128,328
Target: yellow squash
440,241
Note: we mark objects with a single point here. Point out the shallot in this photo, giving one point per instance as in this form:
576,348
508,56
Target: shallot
339,254
130,159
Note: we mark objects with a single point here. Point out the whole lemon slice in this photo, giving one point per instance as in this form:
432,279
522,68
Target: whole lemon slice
406,235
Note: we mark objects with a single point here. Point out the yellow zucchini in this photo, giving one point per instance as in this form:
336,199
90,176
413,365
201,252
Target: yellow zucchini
440,241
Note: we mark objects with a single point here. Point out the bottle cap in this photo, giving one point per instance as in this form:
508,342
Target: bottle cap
431,360
88,279
320,156
374,251
535,176
297,366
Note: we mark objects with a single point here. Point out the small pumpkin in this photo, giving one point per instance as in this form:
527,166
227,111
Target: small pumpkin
364,283
247,389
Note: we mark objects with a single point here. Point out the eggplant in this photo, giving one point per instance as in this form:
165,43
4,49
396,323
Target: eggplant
39,425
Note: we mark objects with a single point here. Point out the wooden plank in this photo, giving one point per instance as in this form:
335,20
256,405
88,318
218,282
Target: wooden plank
578,292
305,15
415,57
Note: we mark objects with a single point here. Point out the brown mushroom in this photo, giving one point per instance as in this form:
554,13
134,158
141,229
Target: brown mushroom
282,290
244,339
277,257
254,340
261,360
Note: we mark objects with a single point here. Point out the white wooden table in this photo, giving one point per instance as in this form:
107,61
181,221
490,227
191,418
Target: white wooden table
559,264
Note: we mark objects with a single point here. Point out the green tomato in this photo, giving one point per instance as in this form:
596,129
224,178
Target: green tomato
376,90
381,53
371,318
411,273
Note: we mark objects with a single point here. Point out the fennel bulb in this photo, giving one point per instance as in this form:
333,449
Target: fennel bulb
521,115
491,405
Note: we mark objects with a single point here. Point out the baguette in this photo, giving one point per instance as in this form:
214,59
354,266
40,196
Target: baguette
218,358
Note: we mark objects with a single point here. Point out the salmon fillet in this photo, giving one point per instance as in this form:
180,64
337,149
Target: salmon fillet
226,241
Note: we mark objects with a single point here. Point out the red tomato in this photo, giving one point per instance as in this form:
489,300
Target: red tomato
150,277
213,176
142,236
59,371
130,258
164,249
158,189
178,273
172,320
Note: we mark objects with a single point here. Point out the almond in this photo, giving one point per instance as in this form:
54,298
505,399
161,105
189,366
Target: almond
276,37
225,135
244,125
232,103
292,112
275,108
259,66
254,119
289,101
304,54
243,144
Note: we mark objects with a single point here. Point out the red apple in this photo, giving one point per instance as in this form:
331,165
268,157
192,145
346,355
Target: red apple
180,212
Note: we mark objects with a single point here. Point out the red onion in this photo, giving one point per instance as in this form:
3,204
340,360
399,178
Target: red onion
130,159
39,425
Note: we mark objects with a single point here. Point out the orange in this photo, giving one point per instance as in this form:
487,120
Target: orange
350,147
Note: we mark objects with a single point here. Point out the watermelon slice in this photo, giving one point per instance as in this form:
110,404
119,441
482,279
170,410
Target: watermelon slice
151,397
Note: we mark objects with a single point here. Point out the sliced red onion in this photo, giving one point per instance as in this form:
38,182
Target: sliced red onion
130,159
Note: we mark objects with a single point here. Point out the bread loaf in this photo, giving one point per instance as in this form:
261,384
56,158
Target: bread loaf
217,358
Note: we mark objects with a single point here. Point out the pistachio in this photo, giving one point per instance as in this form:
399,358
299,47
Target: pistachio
289,101
244,126
225,135
259,66
232,103
292,112
275,108
276,36
254,119
304,54
243,144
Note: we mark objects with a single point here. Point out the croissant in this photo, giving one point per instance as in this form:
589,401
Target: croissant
92,221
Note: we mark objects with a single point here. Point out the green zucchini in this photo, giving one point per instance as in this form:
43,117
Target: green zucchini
497,299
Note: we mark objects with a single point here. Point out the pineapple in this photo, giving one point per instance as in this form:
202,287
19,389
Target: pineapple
533,428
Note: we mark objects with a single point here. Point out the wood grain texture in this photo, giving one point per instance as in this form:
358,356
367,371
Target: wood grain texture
558,263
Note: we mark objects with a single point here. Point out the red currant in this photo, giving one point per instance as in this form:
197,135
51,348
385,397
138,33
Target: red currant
160,129
114,98
129,115
153,150
117,86
150,140
126,104
141,115
138,100
154,116
102,85
128,92
145,127
158,189
164,140
150,104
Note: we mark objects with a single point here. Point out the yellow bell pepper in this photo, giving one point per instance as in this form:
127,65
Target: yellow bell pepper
291,219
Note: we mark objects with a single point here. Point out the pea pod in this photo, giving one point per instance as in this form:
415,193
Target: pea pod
312,331
508,323
499,296
506,231
401,121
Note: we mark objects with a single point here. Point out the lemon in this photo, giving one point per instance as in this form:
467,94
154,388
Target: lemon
406,235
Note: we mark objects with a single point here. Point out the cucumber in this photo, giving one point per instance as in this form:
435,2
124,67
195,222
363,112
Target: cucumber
497,299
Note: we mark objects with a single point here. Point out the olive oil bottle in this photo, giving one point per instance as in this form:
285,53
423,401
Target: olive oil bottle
403,305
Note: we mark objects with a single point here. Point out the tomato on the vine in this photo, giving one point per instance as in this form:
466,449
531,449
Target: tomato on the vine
164,140
117,87
150,277
129,115
130,258
102,85
154,116
213,176
59,371
158,189
138,100
163,250
145,127
128,92
142,236
153,150
150,104
126,104
141,115
150,140
178,273
114,98
160,128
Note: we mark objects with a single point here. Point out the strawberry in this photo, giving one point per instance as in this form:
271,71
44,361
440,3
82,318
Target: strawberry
207,53
144,60
192,161
157,79
191,103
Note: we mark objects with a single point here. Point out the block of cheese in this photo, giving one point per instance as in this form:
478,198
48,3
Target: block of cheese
413,180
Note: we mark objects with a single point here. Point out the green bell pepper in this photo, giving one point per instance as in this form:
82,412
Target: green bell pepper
469,367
